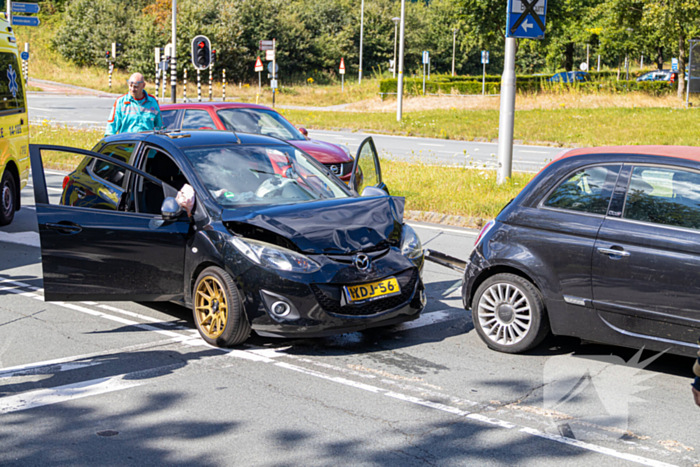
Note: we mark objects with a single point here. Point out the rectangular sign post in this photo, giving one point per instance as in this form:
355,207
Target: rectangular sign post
484,61
19,7
426,58
674,64
525,19
342,74
25,21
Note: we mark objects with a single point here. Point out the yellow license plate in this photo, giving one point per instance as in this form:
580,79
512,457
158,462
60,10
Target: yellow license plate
374,290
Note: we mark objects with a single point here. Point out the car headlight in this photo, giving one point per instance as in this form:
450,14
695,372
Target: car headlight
411,246
274,257
347,150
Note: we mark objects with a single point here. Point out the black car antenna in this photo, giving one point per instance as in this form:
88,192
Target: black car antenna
237,138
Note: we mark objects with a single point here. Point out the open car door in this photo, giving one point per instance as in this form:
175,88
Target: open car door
366,171
98,242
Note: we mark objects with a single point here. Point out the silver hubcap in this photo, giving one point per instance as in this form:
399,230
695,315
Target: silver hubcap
504,314
6,200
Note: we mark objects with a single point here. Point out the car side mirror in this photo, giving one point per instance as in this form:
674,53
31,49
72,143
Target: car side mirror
303,131
374,191
170,210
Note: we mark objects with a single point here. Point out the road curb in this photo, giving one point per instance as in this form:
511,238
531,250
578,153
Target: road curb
445,219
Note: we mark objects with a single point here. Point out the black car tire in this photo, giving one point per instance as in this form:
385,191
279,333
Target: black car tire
235,329
518,320
8,195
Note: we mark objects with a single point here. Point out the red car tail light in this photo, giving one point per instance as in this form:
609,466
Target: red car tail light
66,179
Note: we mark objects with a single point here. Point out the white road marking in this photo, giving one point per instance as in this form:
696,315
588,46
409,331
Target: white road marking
426,319
43,369
533,152
69,392
21,238
440,229
50,188
595,448
429,144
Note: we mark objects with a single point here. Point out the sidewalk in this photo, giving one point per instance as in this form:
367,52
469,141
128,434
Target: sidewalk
62,88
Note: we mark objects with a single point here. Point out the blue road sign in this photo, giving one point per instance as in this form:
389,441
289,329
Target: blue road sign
20,7
674,64
24,55
526,19
484,56
25,21
426,57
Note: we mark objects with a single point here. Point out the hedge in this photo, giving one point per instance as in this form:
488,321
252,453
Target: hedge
414,86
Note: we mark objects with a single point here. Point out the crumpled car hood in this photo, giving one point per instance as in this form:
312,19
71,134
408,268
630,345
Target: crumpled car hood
337,226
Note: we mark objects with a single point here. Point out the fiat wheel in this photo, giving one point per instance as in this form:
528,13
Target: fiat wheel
217,309
7,198
508,313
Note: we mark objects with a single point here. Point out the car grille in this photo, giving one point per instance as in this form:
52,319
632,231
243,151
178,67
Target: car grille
407,281
344,168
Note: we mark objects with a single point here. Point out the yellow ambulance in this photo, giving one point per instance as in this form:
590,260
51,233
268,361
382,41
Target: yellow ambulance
14,125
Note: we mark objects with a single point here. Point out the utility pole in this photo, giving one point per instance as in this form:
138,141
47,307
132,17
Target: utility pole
507,114
399,96
454,45
362,25
396,23
173,58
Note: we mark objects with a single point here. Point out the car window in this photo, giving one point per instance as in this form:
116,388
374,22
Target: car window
197,119
148,197
169,119
664,196
238,175
587,190
259,121
110,172
11,86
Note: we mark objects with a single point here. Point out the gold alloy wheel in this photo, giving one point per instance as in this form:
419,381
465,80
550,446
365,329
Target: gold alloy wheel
211,307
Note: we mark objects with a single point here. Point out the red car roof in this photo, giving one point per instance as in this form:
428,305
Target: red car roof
215,105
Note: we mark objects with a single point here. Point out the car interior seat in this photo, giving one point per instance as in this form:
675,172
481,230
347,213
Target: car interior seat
163,168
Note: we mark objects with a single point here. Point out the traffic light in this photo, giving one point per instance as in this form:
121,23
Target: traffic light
119,50
108,55
213,56
201,52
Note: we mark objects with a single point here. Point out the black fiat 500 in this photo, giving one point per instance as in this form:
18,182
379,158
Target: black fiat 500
604,245
275,242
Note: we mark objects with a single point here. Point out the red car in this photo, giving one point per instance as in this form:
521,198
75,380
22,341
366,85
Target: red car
257,119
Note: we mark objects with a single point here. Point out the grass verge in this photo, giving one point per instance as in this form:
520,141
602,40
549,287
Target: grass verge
565,127
447,190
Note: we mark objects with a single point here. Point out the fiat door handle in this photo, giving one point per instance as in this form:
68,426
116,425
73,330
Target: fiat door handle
613,252
68,228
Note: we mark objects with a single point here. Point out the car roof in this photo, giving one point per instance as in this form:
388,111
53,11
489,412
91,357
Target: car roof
197,138
691,153
214,105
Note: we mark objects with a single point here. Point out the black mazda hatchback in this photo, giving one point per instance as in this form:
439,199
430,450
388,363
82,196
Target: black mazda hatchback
603,244
274,243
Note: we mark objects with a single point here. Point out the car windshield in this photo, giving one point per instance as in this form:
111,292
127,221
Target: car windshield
261,122
243,175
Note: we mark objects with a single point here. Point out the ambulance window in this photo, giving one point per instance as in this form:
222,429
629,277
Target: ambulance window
11,89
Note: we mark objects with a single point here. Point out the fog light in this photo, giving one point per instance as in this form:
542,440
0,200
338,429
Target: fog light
280,309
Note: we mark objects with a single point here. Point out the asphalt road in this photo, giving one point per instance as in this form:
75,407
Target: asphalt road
132,384
93,111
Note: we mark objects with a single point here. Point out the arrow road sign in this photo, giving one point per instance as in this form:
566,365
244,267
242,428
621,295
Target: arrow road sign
526,19
19,7
25,21
266,45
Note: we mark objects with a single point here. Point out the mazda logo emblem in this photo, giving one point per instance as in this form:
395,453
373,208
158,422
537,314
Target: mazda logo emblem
362,262
335,169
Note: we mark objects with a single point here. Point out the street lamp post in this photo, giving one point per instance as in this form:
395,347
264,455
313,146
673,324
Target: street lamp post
399,96
362,26
454,45
396,23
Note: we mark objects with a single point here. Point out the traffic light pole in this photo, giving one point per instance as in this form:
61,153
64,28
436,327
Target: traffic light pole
173,62
199,86
223,85
184,87
274,69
